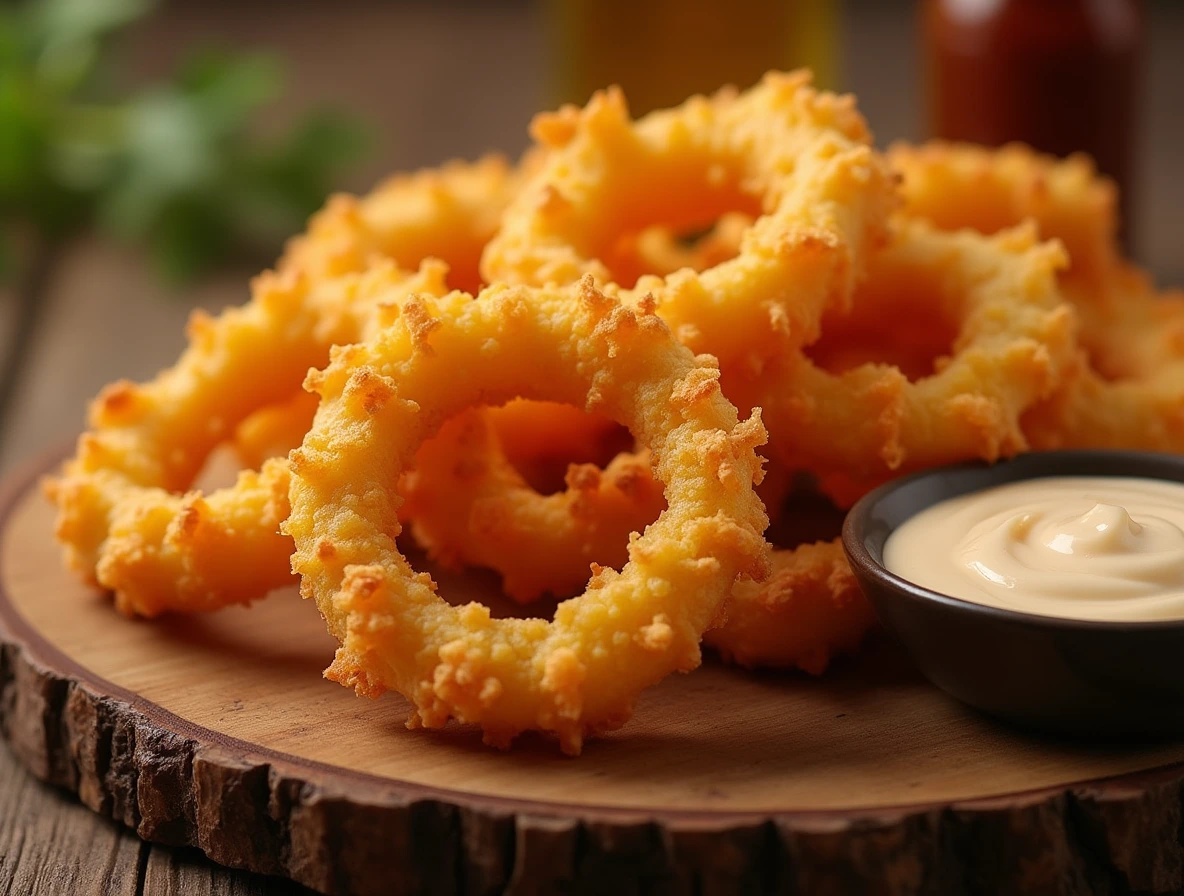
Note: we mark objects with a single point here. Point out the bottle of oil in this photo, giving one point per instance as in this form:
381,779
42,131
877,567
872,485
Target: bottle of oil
662,51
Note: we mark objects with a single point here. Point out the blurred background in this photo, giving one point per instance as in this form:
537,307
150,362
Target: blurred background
242,115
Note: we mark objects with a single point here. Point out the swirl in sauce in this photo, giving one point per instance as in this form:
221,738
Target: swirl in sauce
1082,547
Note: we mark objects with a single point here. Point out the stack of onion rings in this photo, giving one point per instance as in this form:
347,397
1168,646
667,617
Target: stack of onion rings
796,157
381,400
822,195
538,245
127,515
881,328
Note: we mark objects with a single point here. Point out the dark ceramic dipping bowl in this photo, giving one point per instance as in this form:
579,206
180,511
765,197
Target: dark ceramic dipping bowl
1099,679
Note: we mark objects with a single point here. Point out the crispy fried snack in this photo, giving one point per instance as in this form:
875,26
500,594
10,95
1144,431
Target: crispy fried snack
978,335
657,250
125,515
475,493
448,212
534,444
1125,388
958,185
797,158
580,673
541,439
274,430
808,611
469,505
589,210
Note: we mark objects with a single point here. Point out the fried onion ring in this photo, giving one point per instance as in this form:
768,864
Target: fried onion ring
448,213
125,516
781,150
658,251
470,505
808,611
580,673
866,402
958,185
539,438
1125,388
274,430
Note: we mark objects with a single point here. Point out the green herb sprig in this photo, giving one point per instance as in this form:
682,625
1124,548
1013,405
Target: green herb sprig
175,166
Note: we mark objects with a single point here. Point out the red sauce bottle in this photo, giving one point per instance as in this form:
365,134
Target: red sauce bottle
1060,75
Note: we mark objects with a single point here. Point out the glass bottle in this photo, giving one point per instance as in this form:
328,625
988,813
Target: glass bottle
662,51
1060,75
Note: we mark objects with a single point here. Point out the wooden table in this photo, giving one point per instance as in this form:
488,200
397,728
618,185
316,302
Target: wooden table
106,317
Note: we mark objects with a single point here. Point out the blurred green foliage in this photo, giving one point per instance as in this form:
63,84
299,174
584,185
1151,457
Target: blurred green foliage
175,166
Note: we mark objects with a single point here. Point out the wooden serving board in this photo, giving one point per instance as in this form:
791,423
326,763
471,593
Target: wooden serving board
219,732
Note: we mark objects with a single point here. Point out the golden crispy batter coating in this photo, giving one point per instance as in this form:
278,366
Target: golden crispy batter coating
580,673
448,213
542,438
659,251
782,151
951,338
959,185
1125,388
125,515
807,612
470,505
274,430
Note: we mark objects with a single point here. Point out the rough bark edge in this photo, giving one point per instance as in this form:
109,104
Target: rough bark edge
274,817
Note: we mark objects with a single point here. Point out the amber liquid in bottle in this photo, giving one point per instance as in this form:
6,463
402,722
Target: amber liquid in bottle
1060,75
662,51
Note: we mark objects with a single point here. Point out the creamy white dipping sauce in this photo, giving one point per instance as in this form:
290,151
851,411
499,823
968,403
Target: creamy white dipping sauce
1081,547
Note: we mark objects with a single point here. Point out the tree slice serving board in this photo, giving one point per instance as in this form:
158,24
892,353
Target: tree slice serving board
219,732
